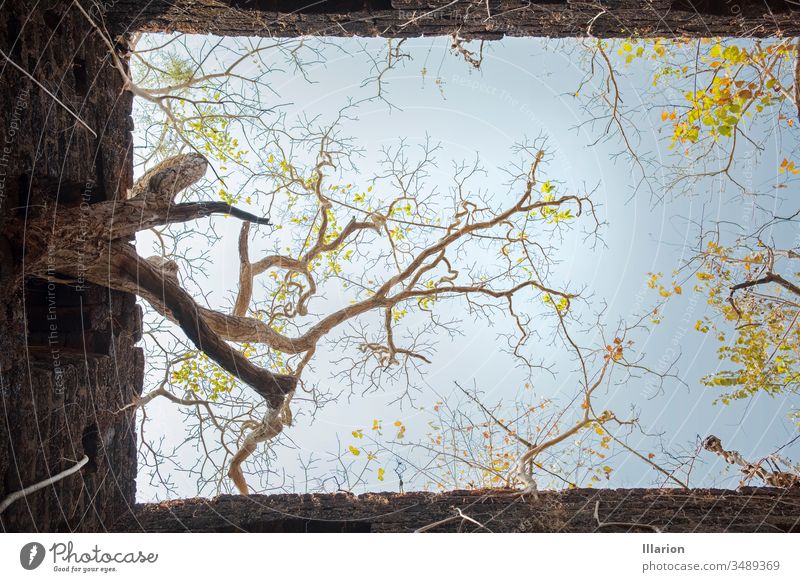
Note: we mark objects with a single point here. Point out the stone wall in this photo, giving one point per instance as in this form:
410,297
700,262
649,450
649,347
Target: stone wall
668,510
67,355
68,360
469,18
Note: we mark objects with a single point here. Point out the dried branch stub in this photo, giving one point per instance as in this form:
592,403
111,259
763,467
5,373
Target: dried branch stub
773,478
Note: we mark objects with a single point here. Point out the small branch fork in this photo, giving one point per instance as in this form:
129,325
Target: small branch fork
468,55
459,515
768,276
766,279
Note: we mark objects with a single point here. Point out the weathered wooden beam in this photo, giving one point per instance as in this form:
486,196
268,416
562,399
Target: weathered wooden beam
468,18
577,510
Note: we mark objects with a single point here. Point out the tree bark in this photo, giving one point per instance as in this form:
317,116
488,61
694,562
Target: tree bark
124,264
68,356
89,244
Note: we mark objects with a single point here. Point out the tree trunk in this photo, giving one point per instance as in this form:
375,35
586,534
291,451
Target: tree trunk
68,355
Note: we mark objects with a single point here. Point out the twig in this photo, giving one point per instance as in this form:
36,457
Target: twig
43,88
42,484
619,523
430,526
468,518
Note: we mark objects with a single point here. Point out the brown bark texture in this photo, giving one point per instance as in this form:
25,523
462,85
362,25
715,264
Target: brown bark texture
468,18
68,355
618,510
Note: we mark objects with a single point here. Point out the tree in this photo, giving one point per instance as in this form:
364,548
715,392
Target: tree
745,286
714,103
724,107
410,246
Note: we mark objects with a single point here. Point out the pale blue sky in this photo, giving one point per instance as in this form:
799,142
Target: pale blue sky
523,90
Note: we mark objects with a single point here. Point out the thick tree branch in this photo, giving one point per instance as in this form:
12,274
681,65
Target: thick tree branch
769,278
125,264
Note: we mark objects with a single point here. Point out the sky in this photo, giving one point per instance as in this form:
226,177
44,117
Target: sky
525,88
